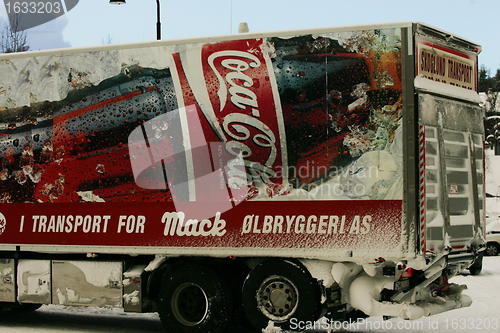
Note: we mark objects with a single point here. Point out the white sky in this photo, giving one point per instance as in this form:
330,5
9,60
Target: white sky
92,21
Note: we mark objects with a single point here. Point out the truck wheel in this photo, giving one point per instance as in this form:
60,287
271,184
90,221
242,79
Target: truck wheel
281,291
195,299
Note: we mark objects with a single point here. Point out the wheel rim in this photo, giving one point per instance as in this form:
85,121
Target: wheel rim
277,298
492,250
189,304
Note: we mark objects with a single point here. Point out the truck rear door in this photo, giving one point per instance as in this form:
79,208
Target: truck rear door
451,141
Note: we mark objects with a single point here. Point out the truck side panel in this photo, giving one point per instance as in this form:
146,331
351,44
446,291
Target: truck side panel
256,143
7,280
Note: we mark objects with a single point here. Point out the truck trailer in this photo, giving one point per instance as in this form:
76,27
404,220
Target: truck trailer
263,179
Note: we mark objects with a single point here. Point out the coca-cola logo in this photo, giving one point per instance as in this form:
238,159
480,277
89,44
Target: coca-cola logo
225,143
241,117
240,95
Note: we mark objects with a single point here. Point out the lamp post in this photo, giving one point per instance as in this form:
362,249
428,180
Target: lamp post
158,23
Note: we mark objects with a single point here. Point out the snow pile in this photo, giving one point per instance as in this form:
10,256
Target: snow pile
492,184
321,270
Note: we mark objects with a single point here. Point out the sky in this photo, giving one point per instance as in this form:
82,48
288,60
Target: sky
95,22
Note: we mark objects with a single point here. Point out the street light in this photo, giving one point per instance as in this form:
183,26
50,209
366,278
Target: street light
158,24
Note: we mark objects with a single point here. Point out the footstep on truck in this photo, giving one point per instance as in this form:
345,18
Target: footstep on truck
263,179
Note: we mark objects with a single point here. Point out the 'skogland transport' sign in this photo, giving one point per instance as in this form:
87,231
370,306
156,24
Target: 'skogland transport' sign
441,64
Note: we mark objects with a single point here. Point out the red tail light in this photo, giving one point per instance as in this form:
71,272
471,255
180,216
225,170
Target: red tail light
407,274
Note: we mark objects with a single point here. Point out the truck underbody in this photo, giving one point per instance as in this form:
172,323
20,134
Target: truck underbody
217,294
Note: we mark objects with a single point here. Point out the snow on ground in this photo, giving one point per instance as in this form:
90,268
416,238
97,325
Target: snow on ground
57,318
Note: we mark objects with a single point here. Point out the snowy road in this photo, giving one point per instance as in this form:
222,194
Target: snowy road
482,316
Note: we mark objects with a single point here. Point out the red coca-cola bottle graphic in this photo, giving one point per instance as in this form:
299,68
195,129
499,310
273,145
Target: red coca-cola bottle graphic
322,89
76,149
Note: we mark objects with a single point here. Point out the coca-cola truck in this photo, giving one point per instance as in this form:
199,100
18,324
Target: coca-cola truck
265,179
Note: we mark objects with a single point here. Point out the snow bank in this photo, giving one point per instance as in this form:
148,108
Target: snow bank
492,186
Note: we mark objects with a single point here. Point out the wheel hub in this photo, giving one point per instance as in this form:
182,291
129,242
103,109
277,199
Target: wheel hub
278,298
189,304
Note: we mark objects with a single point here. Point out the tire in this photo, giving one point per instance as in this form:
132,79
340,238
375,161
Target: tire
491,249
237,274
194,298
282,291
477,266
